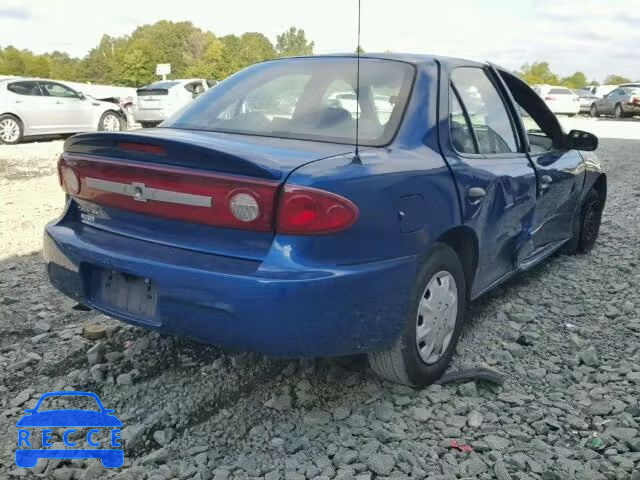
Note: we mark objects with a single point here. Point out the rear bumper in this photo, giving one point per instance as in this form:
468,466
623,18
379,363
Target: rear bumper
273,307
151,116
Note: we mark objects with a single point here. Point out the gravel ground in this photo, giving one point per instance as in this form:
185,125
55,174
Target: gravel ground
566,335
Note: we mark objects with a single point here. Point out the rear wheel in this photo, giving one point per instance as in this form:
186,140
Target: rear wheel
618,112
10,129
432,325
594,111
586,225
111,122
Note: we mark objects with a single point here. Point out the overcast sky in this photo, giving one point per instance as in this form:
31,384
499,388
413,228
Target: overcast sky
596,36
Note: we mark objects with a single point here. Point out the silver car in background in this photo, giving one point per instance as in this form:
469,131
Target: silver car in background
622,102
158,101
35,106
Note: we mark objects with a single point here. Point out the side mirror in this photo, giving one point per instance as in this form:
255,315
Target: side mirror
579,140
81,96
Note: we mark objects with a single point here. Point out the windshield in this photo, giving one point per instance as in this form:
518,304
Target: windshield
306,98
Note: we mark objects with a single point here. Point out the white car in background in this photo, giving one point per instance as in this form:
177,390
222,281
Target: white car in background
158,101
35,106
560,100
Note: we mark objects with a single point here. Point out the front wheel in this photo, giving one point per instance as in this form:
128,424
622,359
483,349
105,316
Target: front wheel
586,225
111,122
432,325
10,130
618,112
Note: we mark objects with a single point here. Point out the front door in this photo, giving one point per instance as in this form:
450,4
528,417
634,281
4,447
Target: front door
559,171
72,112
495,178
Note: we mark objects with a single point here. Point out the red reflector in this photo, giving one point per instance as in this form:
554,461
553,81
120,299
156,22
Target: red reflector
142,147
308,211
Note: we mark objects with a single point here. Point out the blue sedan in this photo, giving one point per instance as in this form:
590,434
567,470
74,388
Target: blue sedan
250,219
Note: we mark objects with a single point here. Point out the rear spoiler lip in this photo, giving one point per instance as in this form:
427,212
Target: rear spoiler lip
71,157
105,145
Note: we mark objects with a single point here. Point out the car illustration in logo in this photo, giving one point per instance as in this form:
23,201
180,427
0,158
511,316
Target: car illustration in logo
27,455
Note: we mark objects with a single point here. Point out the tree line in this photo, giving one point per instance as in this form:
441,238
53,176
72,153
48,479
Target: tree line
131,60
540,73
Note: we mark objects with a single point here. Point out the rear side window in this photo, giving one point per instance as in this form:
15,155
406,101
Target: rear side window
25,88
461,134
560,91
56,90
486,110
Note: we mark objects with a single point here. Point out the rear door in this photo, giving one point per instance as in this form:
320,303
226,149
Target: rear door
560,172
495,179
30,105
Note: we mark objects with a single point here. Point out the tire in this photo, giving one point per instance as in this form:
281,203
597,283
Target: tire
586,225
618,112
111,121
11,129
594,111
403,363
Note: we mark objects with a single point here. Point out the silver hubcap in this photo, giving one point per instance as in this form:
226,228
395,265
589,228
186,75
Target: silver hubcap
111,123
9,130
437,315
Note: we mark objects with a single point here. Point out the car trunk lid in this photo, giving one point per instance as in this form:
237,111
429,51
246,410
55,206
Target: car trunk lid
180,188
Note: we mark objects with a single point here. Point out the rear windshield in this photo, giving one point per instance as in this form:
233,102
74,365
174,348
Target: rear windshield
306,98
163,84
561,91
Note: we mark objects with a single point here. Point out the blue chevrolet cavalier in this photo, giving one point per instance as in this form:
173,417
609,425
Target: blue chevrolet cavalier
249,219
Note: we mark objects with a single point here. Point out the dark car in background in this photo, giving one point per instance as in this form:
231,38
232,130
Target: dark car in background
621,103
586,99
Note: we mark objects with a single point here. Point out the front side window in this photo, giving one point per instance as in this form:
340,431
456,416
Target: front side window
308,99
57,90
487,112
25,88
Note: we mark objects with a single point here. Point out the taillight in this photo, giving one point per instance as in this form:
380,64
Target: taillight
308,211
69,179
634,100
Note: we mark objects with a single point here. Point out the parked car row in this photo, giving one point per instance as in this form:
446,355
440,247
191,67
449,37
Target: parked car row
620,101
31,107
158,101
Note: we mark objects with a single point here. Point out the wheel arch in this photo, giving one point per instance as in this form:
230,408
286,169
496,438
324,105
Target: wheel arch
600,185
464,241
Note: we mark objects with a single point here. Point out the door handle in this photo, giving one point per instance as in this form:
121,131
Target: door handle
18,101
476,194
58,102
545,181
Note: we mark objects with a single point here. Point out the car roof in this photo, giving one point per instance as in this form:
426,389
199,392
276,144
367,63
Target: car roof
413,58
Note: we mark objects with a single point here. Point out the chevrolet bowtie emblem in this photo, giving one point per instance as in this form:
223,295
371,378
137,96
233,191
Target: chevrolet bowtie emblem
141,193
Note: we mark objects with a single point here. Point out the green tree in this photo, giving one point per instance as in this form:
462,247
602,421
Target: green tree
137,70
13,62
539,73
616,80
576,81
293,42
